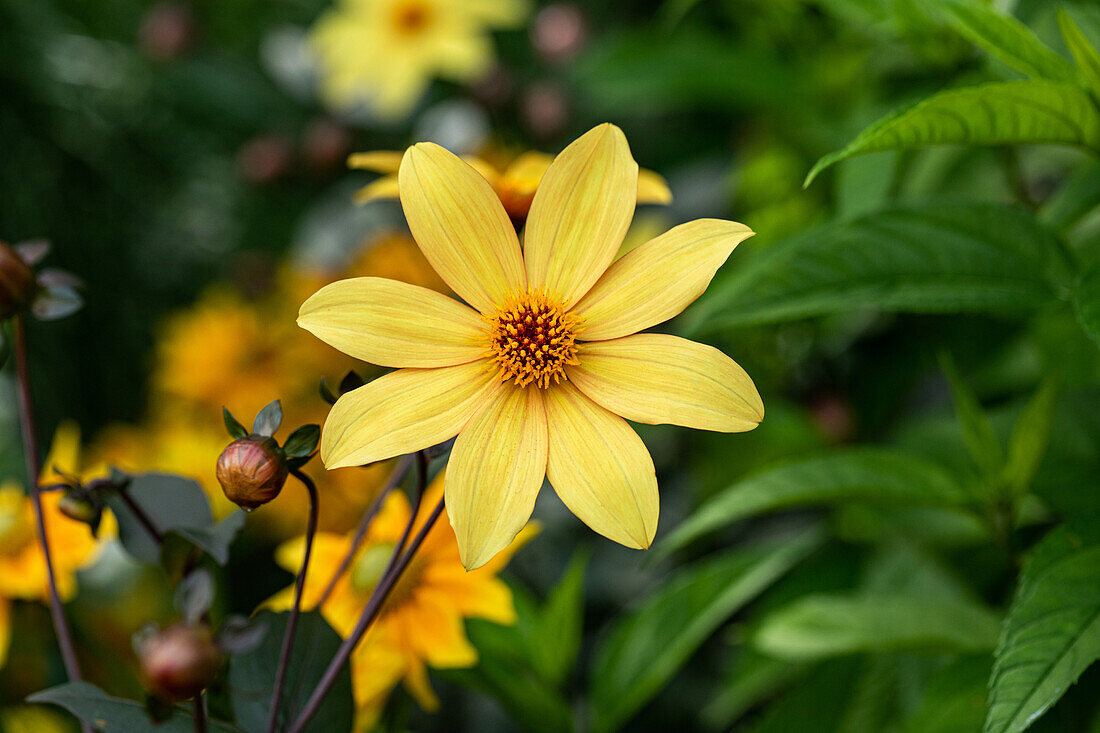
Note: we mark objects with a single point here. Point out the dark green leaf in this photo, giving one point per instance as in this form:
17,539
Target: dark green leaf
236,430
215,539
1079,195
751,680
643,650
866,474
1084,53
1051,635
954,698
302,441
195,595
252,676
117,715
269,419
985,449
1086,300
351,381
1006,39
1000,113
556,636
827,625
922,259
238,634
171,503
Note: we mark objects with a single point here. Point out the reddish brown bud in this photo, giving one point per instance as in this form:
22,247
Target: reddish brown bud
179,662
252,471
17,282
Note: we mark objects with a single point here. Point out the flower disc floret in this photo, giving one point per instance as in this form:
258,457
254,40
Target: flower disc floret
533,339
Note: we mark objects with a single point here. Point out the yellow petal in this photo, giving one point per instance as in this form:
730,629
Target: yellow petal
528,169
64,454
659,279
378,161
394,324
484,167
652,188
404,411
654,378
5,630
600,468
460,225
383,188
580,213
495,472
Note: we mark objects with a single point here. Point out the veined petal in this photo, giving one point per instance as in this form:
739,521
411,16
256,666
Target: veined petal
404,411
654,378
580,213
460,225
394,324
496,469
653,188
656,281
378,161
600,468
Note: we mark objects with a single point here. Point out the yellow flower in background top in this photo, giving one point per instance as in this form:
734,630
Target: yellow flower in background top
538,372
421,623
515,184
23,572
384,53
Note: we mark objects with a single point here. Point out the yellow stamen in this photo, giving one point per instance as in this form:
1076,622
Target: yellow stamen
532,339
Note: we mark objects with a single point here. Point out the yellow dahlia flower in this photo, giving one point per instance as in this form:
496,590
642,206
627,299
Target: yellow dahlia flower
420,624
515,184
385,52
537,373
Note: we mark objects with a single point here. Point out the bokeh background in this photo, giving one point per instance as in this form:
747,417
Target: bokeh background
188,161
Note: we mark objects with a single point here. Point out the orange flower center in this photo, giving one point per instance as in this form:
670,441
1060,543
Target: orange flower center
533,339
411,17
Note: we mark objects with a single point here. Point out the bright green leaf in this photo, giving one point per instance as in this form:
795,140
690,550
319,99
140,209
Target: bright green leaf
1000,113
978,433
117,715
1086,301
945,258
556,637
1077,196
1051,635
252,675
1084,53
825,625
865,474
643,650
1006,39
1030,437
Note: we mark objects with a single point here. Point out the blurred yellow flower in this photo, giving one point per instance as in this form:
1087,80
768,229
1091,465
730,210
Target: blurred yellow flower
536,375
384,53
23,572
515,183
421,623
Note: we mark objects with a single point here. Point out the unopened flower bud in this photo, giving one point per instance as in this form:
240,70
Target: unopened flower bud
17,282
179,662
252,471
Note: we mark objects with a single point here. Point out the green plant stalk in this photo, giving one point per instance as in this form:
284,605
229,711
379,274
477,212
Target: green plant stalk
299,586
398,563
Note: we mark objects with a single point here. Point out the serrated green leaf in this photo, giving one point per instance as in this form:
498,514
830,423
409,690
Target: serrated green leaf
1084,53
1006,39
1086,301
921,259
865,474
999,113
643,650
252,676
555,638
985,449
236,430
1030,437
827,625
1051,635
118,715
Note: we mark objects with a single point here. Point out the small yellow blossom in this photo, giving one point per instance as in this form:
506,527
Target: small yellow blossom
421,623
384,53
23,573
515,184
537,373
